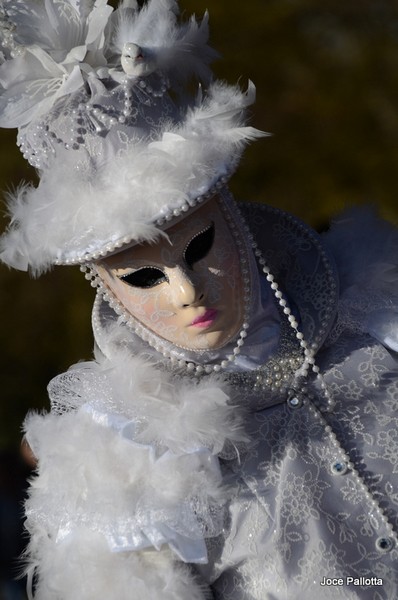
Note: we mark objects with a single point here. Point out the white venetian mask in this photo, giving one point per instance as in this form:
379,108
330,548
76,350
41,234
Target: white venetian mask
187,287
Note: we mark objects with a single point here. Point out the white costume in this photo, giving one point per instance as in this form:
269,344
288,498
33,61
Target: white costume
262,469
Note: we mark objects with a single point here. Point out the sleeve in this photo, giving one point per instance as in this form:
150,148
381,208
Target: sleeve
129,488
103,519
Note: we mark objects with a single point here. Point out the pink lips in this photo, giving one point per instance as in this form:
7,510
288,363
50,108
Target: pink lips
206,319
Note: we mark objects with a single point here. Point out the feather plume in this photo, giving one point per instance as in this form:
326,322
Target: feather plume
148,27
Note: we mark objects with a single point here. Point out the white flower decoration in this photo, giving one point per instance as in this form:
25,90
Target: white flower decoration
54,46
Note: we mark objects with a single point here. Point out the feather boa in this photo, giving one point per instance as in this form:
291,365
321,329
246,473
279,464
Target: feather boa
127,464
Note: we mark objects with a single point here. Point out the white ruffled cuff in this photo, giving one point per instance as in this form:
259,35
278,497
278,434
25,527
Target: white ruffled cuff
179,524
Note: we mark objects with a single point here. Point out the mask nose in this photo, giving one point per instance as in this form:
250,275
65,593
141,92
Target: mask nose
186,288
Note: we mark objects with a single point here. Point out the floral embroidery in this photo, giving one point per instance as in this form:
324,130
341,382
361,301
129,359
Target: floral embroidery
299,497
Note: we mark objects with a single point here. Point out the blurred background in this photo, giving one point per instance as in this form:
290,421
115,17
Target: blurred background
327,89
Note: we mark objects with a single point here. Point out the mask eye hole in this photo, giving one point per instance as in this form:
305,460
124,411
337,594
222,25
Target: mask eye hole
146,277
199,246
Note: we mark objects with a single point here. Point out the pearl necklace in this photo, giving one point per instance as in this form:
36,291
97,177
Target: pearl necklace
286,372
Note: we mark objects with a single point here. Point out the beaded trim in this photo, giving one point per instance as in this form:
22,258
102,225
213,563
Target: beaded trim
89,117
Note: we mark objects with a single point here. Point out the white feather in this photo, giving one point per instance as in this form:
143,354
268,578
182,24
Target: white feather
150,26
175,413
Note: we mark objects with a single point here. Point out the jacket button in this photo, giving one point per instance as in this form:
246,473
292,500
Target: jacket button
339,467
294,402
384,544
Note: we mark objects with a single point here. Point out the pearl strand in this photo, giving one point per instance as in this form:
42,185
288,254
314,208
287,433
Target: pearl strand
94,116
308,353
308,363
144,86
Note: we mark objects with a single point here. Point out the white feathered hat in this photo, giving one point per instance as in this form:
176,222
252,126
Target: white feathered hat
99,100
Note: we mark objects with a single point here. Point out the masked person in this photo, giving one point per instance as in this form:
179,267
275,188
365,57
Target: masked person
235,437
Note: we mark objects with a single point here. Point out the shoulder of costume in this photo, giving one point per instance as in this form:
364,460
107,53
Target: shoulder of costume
365,248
